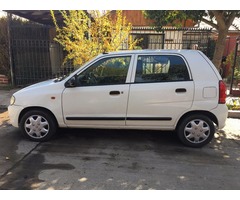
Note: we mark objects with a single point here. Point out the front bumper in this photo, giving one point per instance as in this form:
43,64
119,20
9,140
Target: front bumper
14,112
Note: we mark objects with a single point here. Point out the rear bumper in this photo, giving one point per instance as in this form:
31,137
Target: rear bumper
221,113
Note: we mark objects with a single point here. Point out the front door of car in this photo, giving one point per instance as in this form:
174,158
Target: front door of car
99,94
162,90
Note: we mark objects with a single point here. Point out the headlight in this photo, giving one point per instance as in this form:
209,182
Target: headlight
12,100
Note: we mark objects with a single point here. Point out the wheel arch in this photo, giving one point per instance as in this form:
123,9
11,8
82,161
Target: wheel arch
25,110
210,115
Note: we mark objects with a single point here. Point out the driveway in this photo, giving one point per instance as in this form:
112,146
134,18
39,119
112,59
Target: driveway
118,159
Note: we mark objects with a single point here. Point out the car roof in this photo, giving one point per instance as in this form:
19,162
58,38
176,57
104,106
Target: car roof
151,51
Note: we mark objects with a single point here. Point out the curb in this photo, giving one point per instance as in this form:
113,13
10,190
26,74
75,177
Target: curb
3,107
234,114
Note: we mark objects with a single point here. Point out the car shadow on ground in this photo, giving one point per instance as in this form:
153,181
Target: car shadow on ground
164,143
118,136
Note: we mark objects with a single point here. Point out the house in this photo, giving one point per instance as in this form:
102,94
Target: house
191,36
187,37
230,48
35,55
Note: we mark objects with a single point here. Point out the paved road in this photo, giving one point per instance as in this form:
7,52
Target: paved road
119,159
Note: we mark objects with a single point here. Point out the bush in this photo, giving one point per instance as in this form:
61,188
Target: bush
233,103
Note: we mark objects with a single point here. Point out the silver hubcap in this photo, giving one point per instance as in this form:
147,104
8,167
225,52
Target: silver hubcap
36,126
197,131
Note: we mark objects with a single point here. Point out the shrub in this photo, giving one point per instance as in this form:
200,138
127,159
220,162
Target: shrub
233,103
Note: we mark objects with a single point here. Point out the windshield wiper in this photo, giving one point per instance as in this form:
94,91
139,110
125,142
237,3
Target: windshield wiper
58,79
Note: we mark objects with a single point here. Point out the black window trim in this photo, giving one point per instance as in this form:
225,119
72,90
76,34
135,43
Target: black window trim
160,54
92,62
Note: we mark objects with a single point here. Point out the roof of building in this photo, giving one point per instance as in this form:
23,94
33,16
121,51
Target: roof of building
39,16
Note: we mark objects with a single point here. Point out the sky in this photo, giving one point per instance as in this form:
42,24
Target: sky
119,5
236,22
2,13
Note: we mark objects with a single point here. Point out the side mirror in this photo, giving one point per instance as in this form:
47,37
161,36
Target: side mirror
71,82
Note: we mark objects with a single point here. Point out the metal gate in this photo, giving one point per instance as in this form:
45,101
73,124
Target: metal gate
30,53
175,38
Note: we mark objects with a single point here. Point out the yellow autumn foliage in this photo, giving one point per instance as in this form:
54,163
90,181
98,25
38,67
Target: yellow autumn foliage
84,37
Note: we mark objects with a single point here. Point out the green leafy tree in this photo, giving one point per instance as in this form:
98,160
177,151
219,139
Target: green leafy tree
85,35
221,20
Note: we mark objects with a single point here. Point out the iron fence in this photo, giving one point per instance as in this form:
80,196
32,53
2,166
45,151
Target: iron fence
183,38
30,53
36,58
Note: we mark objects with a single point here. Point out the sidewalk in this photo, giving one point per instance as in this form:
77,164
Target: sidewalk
5,96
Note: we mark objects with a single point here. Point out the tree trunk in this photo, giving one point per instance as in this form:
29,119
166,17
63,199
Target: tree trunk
220,47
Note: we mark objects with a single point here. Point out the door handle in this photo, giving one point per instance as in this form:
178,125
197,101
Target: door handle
114,92
180,90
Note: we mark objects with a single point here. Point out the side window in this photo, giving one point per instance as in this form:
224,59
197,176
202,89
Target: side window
108,71
161,68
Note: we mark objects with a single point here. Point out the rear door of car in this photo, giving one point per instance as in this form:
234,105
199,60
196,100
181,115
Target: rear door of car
162,89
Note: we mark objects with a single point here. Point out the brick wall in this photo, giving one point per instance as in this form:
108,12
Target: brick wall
3,79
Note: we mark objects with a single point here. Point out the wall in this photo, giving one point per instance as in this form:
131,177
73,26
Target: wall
136,18
3,79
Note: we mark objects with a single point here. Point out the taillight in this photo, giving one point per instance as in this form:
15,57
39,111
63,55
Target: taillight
222,92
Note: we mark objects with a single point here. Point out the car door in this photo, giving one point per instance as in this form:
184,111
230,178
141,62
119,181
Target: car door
100,94
162,90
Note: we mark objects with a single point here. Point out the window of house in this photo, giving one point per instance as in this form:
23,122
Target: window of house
161,68
107,71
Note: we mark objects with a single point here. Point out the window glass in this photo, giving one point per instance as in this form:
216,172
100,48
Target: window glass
108,71
161,69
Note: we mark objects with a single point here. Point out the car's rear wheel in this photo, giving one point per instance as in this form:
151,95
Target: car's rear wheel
196,130
38,125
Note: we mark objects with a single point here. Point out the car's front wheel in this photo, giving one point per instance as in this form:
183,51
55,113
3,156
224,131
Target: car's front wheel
196,130
38,125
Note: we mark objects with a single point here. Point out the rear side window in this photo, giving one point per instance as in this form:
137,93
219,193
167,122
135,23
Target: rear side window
161,68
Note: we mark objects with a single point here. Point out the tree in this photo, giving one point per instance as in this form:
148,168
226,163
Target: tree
85,35
221,20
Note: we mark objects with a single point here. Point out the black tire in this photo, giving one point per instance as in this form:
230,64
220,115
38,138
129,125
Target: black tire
38,125
196,130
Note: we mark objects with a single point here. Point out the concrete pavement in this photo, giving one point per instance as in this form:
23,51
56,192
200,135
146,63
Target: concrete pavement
88,159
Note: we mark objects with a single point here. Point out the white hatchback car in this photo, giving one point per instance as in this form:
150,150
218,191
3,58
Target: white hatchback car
145,89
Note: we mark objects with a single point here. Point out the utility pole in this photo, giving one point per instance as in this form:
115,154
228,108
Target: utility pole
9,21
